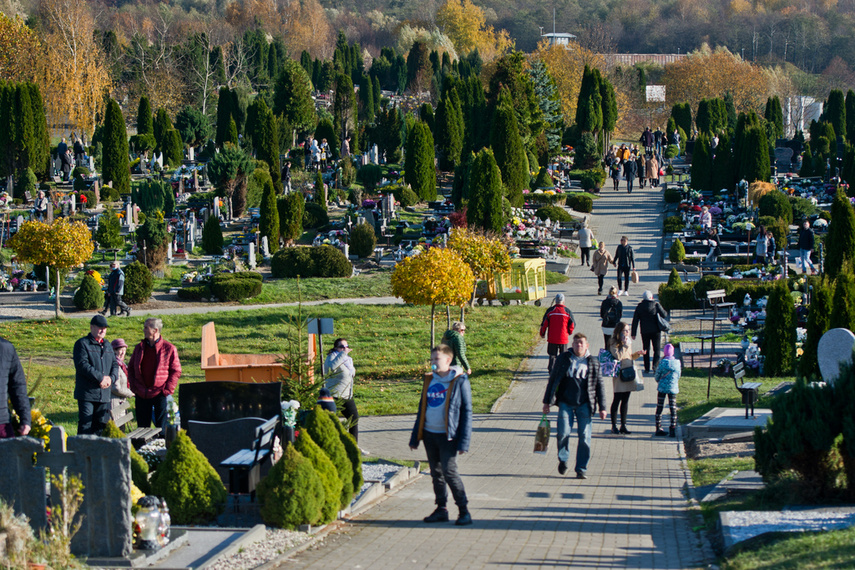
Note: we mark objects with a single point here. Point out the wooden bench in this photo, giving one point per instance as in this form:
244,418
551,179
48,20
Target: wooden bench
245,465
750,391
122,417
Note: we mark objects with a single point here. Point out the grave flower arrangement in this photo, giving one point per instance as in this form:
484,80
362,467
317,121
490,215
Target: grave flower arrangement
289,413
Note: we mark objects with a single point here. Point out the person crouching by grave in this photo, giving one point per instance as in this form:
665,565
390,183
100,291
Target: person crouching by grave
444,424
558,321
120,390
13,389
340,372
577,388
96,370
115,290
153,374
453,337
668,384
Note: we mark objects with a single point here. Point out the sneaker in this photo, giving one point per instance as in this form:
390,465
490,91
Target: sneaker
660,432
439,515
562,467
581,475
620,293
463,519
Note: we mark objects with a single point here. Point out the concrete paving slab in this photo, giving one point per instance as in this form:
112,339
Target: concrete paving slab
720,422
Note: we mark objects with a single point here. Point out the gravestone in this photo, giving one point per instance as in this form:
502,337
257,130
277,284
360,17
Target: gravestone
369,218
192,233
252,255
129,214
169,253
783,158
205,213
217,208
97,191
91,164
192,154
834,350
20,221
265,248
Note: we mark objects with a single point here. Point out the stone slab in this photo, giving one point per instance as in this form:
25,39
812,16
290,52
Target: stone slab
738,526
719,422
205,546
834,350
141,558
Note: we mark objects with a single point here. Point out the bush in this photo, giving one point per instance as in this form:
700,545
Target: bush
302,261
673,224
79,171
26,182
593,178
580,202
90,198
677,253
189,484
779,228
142,143
676,297
403,194
139,468
195,292
293,493
779,344
314,216
370,176
109,232
802,208
319,424
89,296
777,205
673,196
212,237
353,452
362,240
236,286
674,279
291,208
553,213
139,283
326,471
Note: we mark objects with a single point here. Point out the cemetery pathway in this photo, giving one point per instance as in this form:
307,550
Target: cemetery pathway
630,513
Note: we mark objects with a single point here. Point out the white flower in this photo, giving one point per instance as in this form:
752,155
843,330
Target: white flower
295,404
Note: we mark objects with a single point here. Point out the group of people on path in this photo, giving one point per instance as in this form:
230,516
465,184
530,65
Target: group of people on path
623,259
629,162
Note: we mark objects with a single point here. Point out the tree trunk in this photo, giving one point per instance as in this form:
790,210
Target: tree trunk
447,317
462,314
57,288
432,314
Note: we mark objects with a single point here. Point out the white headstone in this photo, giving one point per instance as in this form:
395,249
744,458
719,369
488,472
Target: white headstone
252,255
129,214
265,248
217,208
191,234
192,155
20,221
169,252
92,164
834,350
159,160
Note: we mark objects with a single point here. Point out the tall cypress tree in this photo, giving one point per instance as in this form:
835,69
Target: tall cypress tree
484,209
843,301
819,319
24,135
756,157
266,141
173,148
774,116
850,116
345,111
509,151
682,113
232,136
702,163
145,122
224,115
807,162
366,99
610,110
114,164
40,158
703,120
589,108
447,133
724,171
779,346
840,241
419,161
162,126
268,224
426,114
377,92
835,112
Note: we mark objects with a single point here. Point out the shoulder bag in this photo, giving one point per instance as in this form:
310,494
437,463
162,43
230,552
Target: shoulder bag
627,370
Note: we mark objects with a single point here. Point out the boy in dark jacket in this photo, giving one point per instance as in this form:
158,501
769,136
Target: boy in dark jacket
444,423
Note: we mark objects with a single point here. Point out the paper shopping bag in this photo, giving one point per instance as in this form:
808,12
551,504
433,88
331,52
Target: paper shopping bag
541,437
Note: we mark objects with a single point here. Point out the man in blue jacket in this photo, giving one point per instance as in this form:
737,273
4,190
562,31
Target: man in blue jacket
96,370
444,423
13,388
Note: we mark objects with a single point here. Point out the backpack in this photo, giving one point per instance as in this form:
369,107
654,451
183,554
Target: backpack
611,316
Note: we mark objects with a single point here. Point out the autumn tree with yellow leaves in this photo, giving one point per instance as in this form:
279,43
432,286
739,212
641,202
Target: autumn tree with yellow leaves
486,255
466,25
436,277
60,245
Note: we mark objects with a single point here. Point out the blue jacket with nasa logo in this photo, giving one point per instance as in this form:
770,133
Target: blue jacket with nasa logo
458,412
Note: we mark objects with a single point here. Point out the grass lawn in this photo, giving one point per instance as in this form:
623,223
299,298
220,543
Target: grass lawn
712,471
285,290
803,551
692,399
390,349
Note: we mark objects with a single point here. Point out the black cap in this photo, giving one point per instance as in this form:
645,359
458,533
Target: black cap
100,321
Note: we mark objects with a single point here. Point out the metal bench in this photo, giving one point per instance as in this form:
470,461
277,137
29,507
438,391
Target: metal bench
750,391
122,416
691,352
715,299
245,465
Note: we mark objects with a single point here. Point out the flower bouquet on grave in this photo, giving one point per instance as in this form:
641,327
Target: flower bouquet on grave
289,413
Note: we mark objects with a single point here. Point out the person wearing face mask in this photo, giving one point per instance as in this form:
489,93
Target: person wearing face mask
339,373
153,374
95,370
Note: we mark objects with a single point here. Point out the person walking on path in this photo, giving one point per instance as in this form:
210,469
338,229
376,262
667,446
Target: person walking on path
642,175
651,168
648,139
340,373
624,258
667,384
453,337
630,169
153,374
621,349
614,171
559,323
13,389
115,290
586,237
96,370
576,387
600,265
611,312
658,135
806,243
706,218
120,391
647,314
771,248
444,424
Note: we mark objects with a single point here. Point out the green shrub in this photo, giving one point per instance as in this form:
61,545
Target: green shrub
677,253
291,208
403,194
326,471
319,424
673,224
553,213
320,261
674,279
139,468
676,296
245,275
803,208
314,216
89,296
673,195
779,339
233,287
79,171
142,143
777,205
212,237
293,493
362,240
778,227
90,198
370,176
139,283
26,182
593,178
580,202
109,194
189,484
353,452
195,292
109,232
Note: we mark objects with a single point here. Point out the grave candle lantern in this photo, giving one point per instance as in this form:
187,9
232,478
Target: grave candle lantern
147,522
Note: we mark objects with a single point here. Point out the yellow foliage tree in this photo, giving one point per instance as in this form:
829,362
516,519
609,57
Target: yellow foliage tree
566,66
436,277
466,25
485,255
19,48
61,245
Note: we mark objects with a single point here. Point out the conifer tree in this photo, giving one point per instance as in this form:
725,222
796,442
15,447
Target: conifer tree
610,110
730,112
269,223
232,136
819,320
292,98
173,148
345,112
549,103
840,241
114,164
427,115
447,132
509,151
40,149
265,139
843,301
387,133
484,209
756,157
682,113
807,162
724,171
145,122
376,91
850,116
702,163
835,112
774,116
779,345
162,126
24,136
366,99
589,108
419,170
224,115
291,207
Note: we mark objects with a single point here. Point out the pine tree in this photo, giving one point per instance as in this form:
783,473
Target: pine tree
756,157
24,139
162,126
840,241
843,301
610,110
589,108
320,191
173,149
291,207
376,91
509,151
292,98
819,319
224,115
703,120
835,112
730,112
40,148
850,116
549,103
484,209
682,113
266,142
447,132
807,162
114,164
419,170
426,114
724,172
702,163
269,223
232,136
345,111
779,344
145,123
774,116
366,99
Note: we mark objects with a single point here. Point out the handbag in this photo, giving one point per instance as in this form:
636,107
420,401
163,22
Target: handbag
661,172
627,371
634,276
608,364
541,436
664,325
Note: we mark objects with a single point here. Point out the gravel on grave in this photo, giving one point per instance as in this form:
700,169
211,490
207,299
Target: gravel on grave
743,525
277,541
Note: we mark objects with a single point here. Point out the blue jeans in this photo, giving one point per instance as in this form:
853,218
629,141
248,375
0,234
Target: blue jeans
804,255
583,428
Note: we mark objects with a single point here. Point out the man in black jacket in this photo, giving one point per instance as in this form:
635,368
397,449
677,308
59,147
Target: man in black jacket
625,261
630,169
115,290
806,243
647,314
13,388
96,370
576,386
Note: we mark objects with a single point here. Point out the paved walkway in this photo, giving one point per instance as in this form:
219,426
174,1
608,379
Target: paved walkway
630,513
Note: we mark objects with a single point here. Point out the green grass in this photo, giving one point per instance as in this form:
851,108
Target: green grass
803,551
713,470
692,399
726,337
390,349
554,278
285,290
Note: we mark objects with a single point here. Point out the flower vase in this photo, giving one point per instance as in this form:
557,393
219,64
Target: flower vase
170,433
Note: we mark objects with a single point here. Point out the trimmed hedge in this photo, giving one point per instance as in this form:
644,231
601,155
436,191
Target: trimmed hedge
314,216
362,240
680,297
236,289
673,195
89,296
301,261
673,224
580,202
195,292
293,493
554,213
139,283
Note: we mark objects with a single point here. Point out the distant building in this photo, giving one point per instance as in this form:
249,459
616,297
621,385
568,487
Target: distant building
558,39
630,59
